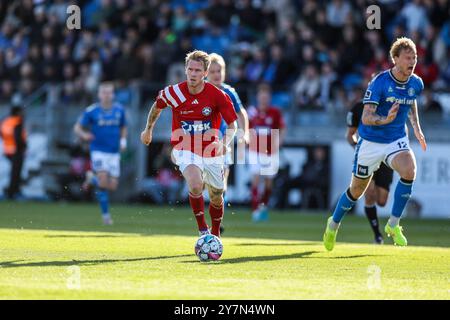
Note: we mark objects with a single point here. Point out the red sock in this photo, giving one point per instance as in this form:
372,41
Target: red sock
198,207
216,217
266,196
255,199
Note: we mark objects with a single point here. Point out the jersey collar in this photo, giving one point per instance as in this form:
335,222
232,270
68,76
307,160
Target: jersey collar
396,80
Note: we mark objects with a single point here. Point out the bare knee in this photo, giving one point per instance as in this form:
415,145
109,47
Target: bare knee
356,191
358,187
409,173
103,182
196,187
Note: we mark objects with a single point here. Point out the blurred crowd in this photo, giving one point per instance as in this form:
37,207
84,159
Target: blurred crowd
320,51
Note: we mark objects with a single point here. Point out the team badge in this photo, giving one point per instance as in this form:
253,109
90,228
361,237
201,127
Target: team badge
390,89
206,111
411,92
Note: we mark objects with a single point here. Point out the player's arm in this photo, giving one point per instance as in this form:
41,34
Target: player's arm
229,134
153,115
244,124
350,135
371,118
413,116
82,133
123,138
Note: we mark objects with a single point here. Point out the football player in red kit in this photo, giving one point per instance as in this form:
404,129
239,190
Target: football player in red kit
266,137
197,110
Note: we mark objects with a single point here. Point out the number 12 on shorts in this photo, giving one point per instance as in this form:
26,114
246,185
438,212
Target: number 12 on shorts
402,145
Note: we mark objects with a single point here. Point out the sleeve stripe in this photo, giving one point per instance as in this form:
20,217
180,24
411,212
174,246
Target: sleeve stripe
178,92
162,97
169,96
374,102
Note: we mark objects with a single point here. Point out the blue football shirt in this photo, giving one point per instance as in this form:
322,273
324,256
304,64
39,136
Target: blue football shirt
237,104
384,90
105,125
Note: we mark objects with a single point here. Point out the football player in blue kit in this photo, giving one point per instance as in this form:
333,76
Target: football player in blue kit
390,99
103,124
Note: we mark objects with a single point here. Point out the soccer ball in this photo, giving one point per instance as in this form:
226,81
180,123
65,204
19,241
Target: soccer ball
208,247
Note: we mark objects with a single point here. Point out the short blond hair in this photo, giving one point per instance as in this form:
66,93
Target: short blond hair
217,58
200,56
400,44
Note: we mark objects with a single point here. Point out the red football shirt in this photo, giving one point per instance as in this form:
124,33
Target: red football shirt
263,122
196,117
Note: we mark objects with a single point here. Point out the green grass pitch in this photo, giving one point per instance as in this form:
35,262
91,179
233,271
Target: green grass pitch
61,251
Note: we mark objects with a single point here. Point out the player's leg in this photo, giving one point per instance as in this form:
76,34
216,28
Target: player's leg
370,209
102,195
215,208
268,185
382,196
255,198
226,174
405,164
255,172
213,176
194,180
346,202
368,156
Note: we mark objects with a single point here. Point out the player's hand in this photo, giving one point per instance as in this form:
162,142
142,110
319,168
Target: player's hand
87,136
421,137
220,148
246,138
146,137
392,113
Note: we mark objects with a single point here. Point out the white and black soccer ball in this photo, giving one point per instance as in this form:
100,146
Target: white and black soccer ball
208,247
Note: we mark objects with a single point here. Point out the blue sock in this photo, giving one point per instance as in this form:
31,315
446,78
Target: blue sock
103,199
345,204
401,196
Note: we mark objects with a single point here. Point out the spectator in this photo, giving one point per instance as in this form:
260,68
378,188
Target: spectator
314,191
307,89
13,133
416,16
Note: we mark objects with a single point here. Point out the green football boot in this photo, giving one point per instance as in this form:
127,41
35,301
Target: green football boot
329,237
396,234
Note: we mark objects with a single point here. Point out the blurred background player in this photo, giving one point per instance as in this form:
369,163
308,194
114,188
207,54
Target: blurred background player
103,124
388,101
216,76
14,137
377,192
197,110
265,121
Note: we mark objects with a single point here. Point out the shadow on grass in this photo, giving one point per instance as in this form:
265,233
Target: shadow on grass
14,264
275,244
299,255
84,236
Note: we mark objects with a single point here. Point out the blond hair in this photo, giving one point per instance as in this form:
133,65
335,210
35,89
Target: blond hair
217,58
200,56
400,44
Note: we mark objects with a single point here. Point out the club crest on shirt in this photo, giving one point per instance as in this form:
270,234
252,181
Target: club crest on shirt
206,111
411,92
